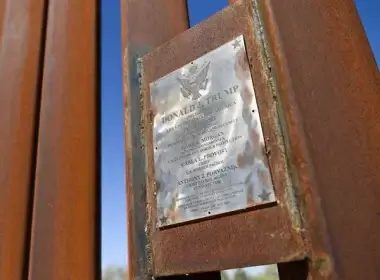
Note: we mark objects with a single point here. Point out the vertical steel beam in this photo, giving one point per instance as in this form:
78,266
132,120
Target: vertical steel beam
145,25
329,92
65,234
21,51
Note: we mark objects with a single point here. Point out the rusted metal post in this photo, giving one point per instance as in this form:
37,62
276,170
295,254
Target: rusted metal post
65,235
329,92
21,51
328,84
145,25
320,97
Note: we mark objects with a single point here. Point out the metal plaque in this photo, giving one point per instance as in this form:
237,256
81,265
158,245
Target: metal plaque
209,151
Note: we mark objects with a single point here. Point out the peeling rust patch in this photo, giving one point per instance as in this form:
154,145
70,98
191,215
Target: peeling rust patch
323,266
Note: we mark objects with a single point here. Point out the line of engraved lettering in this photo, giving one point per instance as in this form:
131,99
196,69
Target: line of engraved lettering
197,169
195,118
202,165
197,145
189,146
235,138
178,158
181,141
231,90
214,163
227,106
204,123
222,170
213,183
214,154
234,120
191,179
216,191
215,141
205,162
191,108
174,115
198,182
201,179
189,162
208,197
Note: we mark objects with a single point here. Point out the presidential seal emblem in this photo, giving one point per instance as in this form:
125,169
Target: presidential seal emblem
193,80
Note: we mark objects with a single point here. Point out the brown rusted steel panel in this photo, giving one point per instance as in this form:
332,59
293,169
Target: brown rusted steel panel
329,88
260,236
65,234
2,19
145,25
21,50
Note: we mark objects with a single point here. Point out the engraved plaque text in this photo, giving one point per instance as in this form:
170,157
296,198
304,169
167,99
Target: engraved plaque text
209,148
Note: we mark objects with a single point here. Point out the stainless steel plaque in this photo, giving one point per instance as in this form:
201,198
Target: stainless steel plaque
209,148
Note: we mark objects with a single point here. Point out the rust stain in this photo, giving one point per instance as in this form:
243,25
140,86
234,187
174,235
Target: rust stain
21,50
65,234
323,266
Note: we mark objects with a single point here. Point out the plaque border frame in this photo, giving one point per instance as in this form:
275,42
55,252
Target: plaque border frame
248,206
277,227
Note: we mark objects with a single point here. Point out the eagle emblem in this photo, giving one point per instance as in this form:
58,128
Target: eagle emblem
194,80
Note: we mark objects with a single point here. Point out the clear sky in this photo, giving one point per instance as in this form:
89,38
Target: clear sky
114,235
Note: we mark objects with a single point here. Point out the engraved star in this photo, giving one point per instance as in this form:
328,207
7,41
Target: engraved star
163,220
264,195
236,44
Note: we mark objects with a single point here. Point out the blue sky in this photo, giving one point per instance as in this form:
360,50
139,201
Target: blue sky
114,235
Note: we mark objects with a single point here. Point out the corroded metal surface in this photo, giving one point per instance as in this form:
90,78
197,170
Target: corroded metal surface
21,51
145,25
65,234
329,88
209,150
215,244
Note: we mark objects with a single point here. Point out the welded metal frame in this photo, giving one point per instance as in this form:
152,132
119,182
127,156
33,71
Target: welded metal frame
145,25
325,83
216,244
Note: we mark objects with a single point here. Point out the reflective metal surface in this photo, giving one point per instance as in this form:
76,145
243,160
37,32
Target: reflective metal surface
209,147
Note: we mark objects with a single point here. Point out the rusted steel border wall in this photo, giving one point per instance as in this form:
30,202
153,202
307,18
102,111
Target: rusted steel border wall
22,27
145,25
65,233
271,234
328,98
329,94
